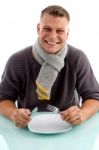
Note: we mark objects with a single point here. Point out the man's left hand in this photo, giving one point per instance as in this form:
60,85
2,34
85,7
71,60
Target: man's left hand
73,115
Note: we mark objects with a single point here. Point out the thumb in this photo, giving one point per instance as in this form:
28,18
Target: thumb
27,111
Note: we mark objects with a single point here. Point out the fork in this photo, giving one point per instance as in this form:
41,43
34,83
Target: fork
34,110
53,108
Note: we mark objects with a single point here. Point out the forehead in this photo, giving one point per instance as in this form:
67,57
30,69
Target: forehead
53,21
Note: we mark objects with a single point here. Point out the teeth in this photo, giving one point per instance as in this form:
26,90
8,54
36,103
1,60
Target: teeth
51,43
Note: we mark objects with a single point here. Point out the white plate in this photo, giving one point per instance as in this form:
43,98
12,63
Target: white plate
48,123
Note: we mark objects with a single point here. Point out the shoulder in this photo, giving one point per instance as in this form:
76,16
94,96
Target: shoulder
75,53
77,58
20,56
19,61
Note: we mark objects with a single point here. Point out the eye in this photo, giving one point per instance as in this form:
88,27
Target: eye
60,31
47,29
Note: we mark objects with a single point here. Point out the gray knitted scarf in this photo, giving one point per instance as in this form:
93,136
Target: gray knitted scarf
51,66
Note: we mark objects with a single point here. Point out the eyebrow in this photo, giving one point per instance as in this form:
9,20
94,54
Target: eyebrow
55,28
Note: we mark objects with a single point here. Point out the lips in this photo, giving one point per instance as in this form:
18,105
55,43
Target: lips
52,43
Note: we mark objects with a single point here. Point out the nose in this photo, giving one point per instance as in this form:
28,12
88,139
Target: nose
53,34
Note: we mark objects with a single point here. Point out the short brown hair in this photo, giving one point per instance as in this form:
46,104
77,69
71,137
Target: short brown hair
56,10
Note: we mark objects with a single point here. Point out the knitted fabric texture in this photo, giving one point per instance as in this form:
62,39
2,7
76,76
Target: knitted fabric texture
51,66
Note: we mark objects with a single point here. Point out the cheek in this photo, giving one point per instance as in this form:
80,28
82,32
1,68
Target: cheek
67,34
43,35
65,37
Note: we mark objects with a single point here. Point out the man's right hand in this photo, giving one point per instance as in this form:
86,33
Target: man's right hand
21,117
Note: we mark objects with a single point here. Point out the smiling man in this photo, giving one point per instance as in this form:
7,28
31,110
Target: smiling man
53,32
49,72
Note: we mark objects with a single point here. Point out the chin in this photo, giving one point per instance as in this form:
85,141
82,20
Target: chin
51,51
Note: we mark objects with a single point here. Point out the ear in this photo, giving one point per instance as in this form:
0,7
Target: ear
67,33
38,28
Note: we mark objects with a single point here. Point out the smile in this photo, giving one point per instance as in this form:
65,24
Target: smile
52,43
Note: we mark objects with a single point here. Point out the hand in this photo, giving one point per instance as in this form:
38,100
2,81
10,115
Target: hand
21,117
73,115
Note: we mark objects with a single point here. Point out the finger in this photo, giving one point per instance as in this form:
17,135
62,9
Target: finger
69,110
26,118
68,114
23,115
75,122
20,119
20,125
72,118
75,119
21,122
27,112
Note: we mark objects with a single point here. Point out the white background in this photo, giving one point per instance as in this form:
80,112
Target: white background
18,20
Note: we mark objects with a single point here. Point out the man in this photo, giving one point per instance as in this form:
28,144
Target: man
49,72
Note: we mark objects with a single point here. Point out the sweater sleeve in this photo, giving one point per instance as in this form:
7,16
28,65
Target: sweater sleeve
10,85
87,86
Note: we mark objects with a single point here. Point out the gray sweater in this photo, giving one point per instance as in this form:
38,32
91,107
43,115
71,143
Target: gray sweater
75,80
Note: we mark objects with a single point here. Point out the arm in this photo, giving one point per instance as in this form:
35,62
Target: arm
10,88
7,108
76,115
88,89
21,117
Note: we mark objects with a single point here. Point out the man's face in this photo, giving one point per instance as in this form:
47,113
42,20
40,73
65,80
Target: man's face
53,33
